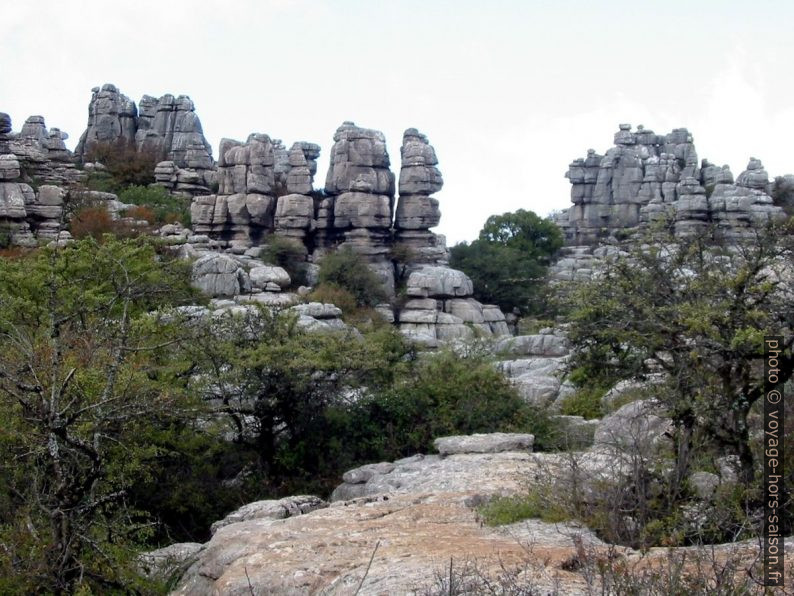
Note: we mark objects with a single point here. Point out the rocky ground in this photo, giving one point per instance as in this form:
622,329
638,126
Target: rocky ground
395,528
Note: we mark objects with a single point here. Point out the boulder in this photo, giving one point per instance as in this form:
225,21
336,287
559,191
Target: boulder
219,275
271,510
484,443
438,282
263,275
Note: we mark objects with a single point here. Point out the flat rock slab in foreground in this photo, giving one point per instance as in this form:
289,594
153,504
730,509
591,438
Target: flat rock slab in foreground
327,551
416,515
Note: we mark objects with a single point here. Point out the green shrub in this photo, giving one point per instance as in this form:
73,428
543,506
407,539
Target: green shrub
5,236
166,208
333,294
535,504
346,269
125,163
288,254
443,394
102,182
586,402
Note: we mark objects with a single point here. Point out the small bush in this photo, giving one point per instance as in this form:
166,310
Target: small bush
164,207
346,269
5,237
289,254
532,325
535,504
586,402
91,221
124,162
444,394
333,294
144,213
102,182
96,222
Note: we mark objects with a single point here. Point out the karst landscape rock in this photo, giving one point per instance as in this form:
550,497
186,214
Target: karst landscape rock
393,527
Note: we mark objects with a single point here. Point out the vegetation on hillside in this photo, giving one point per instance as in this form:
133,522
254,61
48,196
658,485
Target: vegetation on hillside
128,424
508,262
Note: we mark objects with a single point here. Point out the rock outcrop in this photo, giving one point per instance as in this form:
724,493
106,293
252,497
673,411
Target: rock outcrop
166,128
441,307
242,213
112,118
41,152
646,176
536,365
265,190
15,197
393,527
28,216
417,211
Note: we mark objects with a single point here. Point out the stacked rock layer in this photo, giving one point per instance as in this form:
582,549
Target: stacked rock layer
41,152
646,176
166,128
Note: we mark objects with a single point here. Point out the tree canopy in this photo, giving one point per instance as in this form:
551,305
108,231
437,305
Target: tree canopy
697,308
85,364
508,262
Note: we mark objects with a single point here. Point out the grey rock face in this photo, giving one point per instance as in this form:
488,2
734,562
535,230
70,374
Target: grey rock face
219,275
647,177
356,212
417,211
362,210
359,162
41,152
166,127
167,560
546,345
484,443
301,167
112,117
15,198
171,128
438,282
418,174
442,309
262,276
5,123
250,177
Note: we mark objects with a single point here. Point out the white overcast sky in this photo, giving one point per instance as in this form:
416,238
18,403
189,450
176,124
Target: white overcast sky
508,92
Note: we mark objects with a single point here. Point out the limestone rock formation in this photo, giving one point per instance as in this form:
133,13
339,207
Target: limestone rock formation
41,152
28,217
15,196
167,128
536,365
484,443
241,214
638,426
360,196
264,189
271,509
441,308
417,211
170,127
219,275
112,117
646,176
